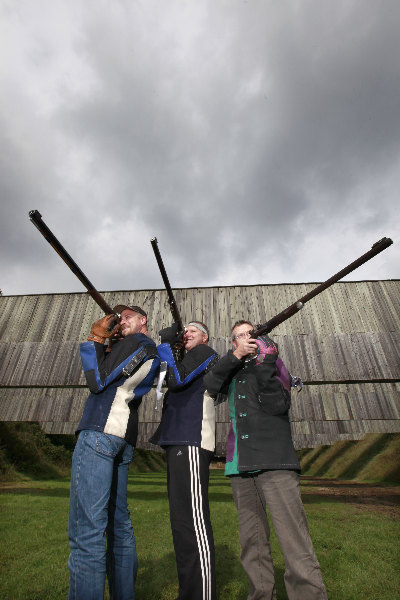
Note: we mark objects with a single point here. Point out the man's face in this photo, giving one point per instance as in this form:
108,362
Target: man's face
194,337
131,322
241,332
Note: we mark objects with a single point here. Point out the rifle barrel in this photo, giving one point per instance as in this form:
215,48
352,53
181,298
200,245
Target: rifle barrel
376,249
298,305
171,299
37,220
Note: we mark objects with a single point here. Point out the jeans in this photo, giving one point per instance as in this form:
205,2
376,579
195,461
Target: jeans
101,536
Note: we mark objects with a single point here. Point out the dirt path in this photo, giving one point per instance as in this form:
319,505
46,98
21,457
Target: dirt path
376,496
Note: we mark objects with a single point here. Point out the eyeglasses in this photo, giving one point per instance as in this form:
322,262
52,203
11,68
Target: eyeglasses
241,336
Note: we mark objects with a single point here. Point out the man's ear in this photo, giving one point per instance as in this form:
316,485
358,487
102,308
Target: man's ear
205,338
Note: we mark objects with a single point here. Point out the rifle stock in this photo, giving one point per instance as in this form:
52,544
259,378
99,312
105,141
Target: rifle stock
298,305
171,299
36,219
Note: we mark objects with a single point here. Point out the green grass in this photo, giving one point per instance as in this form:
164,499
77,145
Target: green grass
357,546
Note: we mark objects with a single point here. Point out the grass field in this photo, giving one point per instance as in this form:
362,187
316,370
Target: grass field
356,543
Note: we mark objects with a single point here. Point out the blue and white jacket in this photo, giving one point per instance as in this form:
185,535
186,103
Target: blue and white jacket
112,406
188,413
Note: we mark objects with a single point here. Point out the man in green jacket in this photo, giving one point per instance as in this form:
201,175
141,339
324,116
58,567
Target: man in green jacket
263,466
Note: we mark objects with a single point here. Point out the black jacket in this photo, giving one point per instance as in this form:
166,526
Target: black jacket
259,405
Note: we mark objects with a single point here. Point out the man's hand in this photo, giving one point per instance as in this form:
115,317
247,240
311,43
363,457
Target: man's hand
104,328
245,347
266,346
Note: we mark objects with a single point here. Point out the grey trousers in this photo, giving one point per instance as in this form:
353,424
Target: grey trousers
280,492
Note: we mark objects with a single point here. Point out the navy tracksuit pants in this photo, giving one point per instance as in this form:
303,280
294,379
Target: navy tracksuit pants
187,480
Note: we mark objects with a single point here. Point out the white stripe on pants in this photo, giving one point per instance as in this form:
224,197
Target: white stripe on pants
188,473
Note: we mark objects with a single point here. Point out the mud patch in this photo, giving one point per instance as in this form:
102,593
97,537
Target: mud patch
385,498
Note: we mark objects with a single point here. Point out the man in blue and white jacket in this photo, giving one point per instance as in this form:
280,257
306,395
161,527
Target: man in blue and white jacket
187,433
100,530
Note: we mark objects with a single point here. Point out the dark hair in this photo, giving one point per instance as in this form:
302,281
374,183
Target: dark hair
238,323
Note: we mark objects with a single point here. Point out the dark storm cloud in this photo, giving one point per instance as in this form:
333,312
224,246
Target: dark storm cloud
252,138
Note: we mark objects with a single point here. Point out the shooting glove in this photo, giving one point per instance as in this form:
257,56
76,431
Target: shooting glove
171,335
266,346
104,328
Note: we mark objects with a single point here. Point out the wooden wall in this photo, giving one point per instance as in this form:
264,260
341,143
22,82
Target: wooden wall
345,344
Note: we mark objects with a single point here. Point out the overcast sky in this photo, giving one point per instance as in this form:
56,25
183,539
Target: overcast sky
258,140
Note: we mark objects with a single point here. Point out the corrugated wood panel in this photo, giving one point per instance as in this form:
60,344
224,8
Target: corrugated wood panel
40,363
222,410
351,307
347,401
379,304
342,357
333,429
146,430
221,435
348,333
359,356
38,404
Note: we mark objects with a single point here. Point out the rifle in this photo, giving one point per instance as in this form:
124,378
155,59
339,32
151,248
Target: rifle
36,219
296,306
171,300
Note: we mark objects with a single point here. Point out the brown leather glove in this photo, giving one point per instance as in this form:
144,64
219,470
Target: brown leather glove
104,328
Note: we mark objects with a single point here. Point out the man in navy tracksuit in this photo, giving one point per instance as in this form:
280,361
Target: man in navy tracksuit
187,433
100,530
